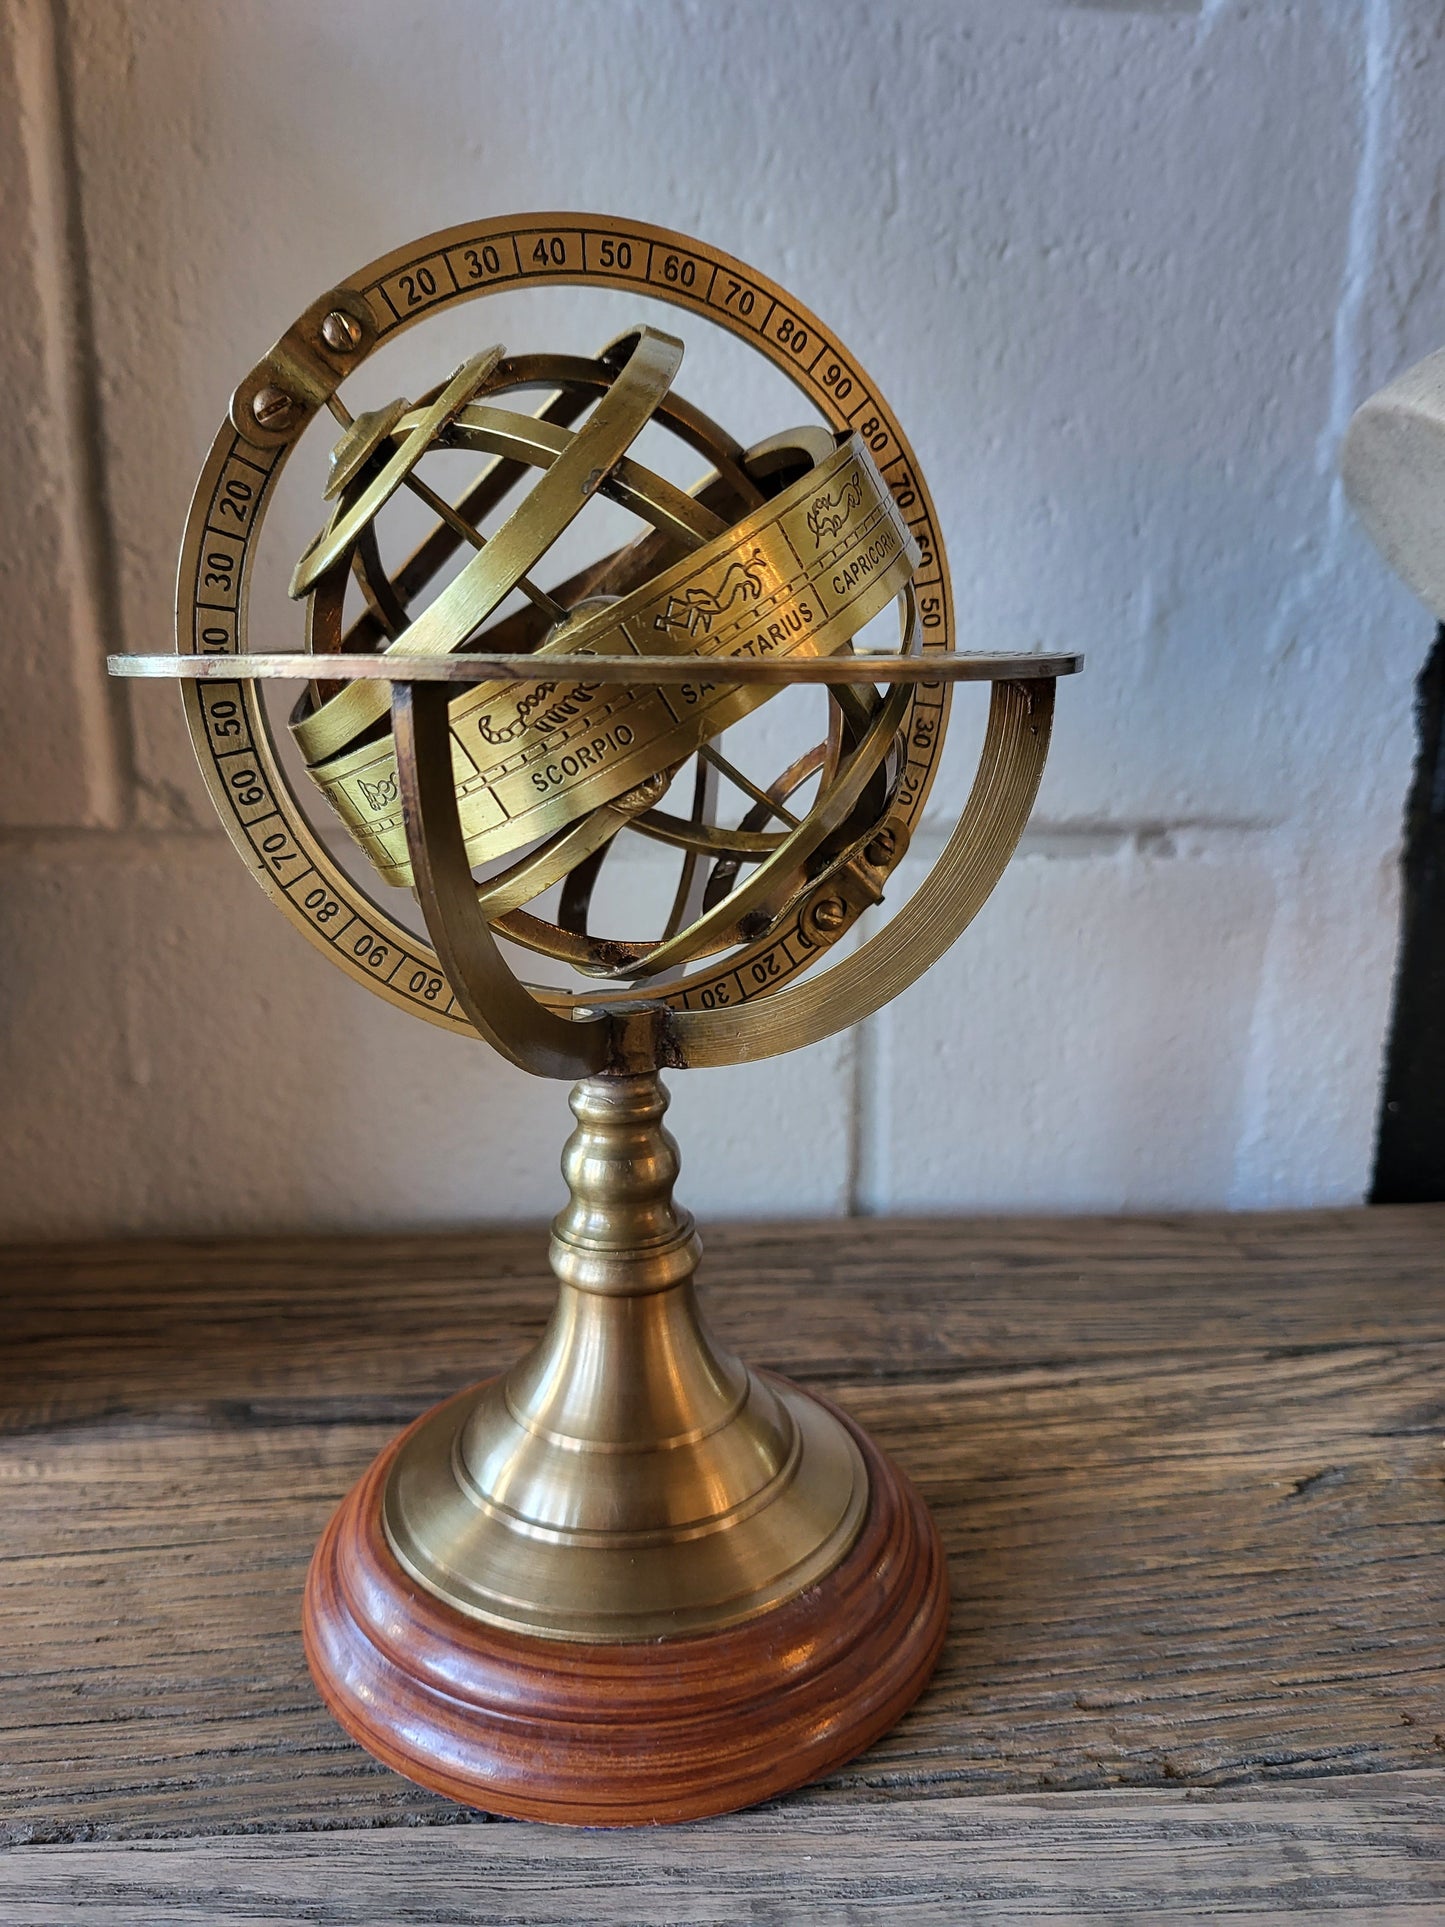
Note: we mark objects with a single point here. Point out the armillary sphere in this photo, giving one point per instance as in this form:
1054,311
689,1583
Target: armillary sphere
491,727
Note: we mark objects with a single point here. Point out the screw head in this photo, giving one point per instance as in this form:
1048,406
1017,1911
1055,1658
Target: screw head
829,915
880,851
341,332
271,406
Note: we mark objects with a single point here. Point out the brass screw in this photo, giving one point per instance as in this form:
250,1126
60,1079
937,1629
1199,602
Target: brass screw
341,332
830,915
880,851
271,406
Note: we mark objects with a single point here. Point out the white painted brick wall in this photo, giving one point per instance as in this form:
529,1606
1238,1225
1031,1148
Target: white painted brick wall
1123,271
63,762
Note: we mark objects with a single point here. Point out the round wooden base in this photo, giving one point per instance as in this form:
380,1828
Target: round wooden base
626,1735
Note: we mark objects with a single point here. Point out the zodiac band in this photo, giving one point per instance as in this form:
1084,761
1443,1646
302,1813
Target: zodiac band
800,576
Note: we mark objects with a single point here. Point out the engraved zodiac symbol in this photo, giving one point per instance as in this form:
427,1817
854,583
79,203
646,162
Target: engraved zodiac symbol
378,797
829,512
524,709
693,611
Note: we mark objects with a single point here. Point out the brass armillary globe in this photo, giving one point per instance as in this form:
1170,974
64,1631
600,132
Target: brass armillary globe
633,1579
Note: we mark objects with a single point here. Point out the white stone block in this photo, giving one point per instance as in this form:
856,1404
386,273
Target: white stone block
62,762
177,1058
1137,1030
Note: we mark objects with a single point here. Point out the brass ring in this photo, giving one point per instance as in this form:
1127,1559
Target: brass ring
422,430
465,603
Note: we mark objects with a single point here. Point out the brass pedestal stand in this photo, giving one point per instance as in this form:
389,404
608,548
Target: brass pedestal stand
485,1611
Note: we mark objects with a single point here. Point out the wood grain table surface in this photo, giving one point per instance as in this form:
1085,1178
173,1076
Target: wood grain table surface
1188,1470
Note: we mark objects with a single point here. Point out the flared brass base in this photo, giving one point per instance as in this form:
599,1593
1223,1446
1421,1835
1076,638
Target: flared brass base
639,1732
628,1479
727,1523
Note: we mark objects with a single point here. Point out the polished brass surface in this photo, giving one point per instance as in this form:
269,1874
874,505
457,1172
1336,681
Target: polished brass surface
291,665
532,1035
524,751
420,437
641,381
310,364
488,734
628,1479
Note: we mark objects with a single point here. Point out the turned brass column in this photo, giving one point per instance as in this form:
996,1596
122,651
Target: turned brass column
628,1478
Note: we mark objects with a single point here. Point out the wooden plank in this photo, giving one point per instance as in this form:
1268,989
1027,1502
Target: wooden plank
1188,1473
380,1325
1375,1849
